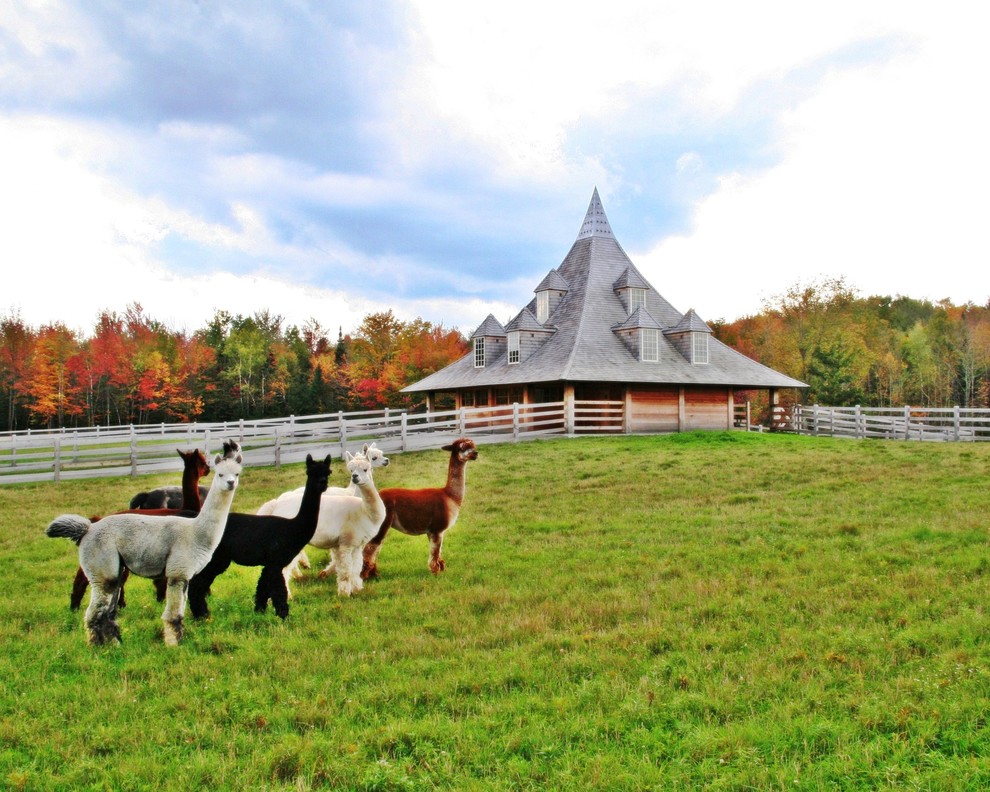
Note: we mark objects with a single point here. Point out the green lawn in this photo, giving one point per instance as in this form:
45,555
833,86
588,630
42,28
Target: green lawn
707,610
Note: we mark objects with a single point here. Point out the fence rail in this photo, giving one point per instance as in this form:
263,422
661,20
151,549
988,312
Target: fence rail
894,423
54,455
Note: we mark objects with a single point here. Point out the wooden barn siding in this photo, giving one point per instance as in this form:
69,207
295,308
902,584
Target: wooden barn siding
653,409
657,409
706,408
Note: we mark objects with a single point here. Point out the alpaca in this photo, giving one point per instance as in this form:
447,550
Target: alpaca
377,459
172,497
424,511
346,523
150,545
268,541
194,467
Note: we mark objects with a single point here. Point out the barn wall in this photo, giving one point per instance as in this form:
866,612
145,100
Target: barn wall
657,408
706,408
652,409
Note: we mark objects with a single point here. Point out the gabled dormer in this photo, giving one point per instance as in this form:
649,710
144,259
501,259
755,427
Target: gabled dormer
549,294
690,337
524,335
641,335
631,288
488,342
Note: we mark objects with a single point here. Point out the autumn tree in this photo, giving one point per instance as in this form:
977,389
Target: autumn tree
52,394
16,347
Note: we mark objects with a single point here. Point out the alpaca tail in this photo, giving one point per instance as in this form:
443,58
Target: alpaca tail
69,526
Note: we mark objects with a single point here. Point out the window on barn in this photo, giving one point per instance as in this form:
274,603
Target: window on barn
479,352
514,346
699,348
542,306
650,344
637,299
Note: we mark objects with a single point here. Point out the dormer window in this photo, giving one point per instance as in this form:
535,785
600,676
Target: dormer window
637,298
542,306
649,344
699,348
514,347
479,352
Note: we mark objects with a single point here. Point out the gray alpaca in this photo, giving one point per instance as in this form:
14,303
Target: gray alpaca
150,546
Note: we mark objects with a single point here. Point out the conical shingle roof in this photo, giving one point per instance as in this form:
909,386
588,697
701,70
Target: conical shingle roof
585,347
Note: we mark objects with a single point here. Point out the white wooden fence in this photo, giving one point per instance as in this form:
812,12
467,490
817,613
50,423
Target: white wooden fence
894,423
54,455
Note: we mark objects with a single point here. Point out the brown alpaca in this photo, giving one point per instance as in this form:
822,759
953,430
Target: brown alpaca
194,467
428,511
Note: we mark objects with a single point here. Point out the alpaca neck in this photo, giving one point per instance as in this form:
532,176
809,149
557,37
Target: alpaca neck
309,505
368,493
212,518
191,499
456,479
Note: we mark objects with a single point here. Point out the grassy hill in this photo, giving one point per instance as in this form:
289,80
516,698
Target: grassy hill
717,610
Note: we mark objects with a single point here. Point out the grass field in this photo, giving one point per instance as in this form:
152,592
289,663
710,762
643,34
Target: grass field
697,611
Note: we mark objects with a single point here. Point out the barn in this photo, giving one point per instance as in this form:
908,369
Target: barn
598,331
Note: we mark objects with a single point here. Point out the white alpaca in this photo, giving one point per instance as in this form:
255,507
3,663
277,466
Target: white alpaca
377,459
150,546
345,525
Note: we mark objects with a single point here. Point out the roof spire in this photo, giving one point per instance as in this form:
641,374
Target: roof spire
595,221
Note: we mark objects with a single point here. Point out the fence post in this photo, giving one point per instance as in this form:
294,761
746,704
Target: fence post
515,422
402,431
955,421
749,416
134,460
907,422
278,449
462,421
857,417
240,429
57,465
343,434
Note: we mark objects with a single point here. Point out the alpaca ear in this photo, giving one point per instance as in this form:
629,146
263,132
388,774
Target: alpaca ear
327,460
348,456
447,448
365,449
309,460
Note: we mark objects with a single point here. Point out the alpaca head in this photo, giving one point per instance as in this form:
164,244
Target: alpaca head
227,468
359,467
320,471
374,455
195,461
463,448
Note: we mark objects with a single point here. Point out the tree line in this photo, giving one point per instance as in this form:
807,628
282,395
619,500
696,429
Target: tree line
134,369
877,351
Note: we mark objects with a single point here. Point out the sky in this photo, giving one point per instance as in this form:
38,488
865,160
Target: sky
323,161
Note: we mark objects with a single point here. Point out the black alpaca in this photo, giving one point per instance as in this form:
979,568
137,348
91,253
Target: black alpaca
266,541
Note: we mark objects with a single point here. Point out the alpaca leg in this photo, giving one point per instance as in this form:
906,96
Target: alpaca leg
263,591
342,566
124,574
160,586
287,576
356,563
78,589
175,606
369,567
199,586
100,615
437,564
278,592
303,560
